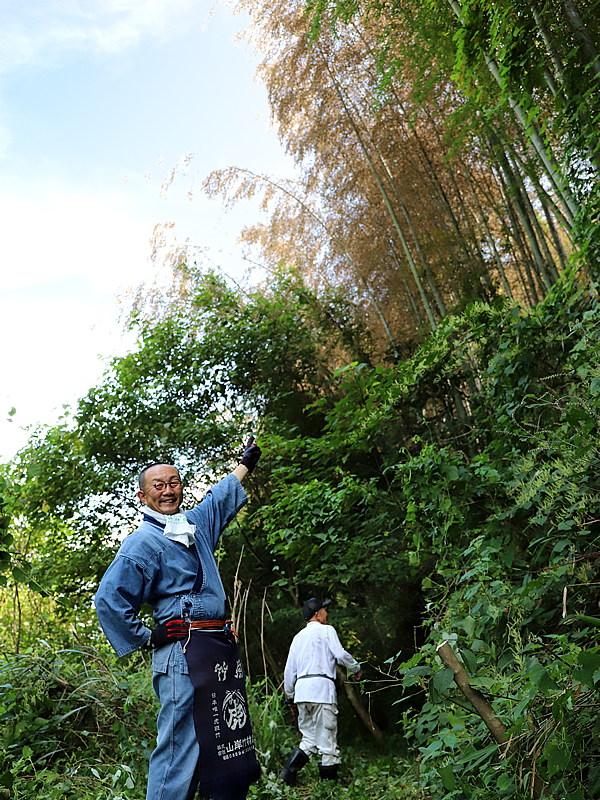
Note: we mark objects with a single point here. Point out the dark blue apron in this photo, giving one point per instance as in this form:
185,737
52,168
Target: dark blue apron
227,764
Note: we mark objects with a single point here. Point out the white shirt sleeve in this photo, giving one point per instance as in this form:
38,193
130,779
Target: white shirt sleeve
290,673
341,656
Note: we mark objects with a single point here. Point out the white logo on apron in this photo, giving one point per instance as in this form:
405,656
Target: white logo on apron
221,670
234,709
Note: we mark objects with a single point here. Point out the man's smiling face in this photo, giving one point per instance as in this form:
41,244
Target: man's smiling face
157,493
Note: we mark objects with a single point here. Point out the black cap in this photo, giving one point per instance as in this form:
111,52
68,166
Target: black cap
310,608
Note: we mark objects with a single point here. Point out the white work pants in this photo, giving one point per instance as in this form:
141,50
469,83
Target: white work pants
318,725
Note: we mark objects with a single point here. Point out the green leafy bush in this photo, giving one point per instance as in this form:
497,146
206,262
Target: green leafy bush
75,724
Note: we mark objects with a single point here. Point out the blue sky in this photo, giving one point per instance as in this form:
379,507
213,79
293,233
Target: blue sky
98,100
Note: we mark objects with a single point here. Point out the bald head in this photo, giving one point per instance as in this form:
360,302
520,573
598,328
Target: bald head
161,488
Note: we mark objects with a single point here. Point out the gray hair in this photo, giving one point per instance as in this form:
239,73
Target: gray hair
142,476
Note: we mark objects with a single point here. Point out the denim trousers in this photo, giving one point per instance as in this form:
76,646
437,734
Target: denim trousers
173,762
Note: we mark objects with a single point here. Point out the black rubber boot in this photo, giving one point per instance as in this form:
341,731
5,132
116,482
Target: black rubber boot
328,773
295,763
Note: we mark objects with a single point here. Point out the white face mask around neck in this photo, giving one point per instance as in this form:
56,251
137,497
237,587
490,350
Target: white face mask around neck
177,527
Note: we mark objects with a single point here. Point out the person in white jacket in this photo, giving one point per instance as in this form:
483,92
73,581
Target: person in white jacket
309,680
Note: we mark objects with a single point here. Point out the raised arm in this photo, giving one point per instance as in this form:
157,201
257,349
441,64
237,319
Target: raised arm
240,472
248,461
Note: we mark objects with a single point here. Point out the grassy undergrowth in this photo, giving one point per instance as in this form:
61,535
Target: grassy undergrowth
76,725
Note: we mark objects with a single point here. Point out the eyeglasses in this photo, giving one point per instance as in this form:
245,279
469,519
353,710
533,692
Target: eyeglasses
160,486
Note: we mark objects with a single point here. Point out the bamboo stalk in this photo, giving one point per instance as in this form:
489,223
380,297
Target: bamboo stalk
582,34
385,198
488,234
554,174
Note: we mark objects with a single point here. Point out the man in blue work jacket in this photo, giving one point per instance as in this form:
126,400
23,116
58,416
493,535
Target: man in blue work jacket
204,740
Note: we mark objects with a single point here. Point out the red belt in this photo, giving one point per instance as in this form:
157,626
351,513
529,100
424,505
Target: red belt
209,624
216,625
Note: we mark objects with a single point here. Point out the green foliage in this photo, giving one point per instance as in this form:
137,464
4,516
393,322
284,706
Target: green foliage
364,773
452,496
545,692
73,725
219,367
6,538
274,736
487,534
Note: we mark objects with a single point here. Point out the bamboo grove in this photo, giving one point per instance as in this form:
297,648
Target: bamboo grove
446,152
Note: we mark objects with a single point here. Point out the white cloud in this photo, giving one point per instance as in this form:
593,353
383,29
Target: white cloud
56,357
65,256
62,234
35,33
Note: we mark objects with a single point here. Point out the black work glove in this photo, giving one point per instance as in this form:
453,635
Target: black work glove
174,630
251,455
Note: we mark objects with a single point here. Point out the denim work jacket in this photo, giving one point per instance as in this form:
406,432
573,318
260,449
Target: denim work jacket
149,568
